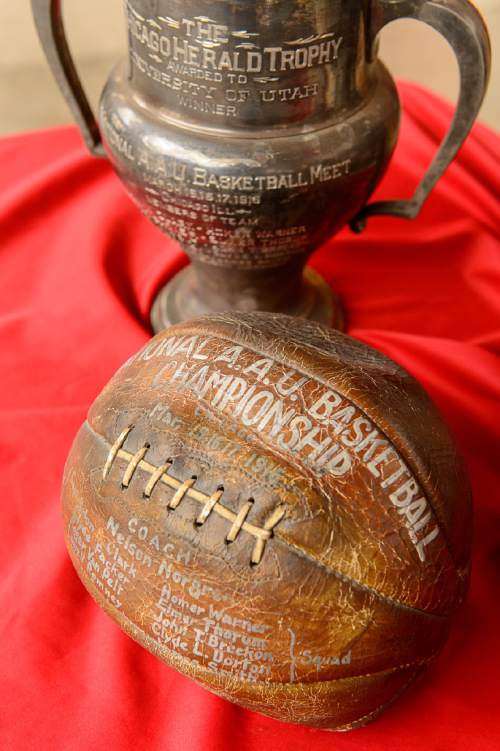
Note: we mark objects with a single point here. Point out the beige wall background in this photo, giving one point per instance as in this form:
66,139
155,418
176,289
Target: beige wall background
29,98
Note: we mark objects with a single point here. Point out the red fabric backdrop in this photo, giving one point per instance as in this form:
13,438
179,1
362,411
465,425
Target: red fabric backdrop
78,270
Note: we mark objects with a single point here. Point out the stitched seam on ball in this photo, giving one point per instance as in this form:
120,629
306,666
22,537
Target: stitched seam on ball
353,582
344,577
374,713
430,495
211,503
262,535
304,554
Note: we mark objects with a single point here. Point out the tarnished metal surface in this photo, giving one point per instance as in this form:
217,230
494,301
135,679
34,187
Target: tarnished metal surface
251,132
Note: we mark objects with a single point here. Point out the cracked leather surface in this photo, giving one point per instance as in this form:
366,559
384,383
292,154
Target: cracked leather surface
352,590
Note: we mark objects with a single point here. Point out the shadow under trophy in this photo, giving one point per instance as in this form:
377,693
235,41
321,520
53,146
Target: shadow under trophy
252,131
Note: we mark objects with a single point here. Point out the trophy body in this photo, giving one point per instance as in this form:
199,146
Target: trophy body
252,132
250,192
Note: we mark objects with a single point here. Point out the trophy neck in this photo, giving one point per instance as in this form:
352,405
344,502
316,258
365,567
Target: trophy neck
247,289
240,65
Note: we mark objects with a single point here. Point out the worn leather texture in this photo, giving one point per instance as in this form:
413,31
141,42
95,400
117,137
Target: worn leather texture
275,510
78,271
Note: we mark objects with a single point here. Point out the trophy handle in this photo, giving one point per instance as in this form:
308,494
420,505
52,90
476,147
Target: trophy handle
50,27
462,26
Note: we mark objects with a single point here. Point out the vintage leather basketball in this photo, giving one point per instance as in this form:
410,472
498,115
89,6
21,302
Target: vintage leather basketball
275,510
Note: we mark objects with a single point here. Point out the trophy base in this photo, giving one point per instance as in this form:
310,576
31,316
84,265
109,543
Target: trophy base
178,301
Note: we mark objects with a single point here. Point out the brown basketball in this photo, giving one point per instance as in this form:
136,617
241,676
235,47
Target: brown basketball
276,511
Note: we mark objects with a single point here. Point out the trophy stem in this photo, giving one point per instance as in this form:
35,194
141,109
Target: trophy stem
202,288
